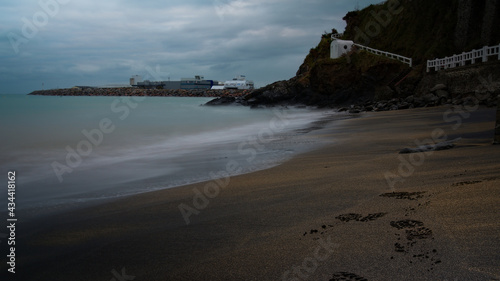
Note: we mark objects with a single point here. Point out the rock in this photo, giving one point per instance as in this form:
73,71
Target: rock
410,99
368,108
442,94
404,105
384,93
430,99
394,101
431,147
438,87
470,101
491,103
418,102
222,101
483,97
381,106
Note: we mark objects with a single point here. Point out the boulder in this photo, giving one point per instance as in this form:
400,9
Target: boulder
410,99
222,101
368,108
404,105
381,106
438,87
442,94
430,99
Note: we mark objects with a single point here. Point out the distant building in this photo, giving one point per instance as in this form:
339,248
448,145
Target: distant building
240,82
135,79
198,82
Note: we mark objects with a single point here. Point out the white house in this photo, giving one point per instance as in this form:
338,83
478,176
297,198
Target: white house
340,47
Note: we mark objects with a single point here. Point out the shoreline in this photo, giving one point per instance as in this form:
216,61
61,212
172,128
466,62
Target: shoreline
269,148
270,223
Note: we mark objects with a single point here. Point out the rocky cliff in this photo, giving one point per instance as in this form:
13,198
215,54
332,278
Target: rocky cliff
423,29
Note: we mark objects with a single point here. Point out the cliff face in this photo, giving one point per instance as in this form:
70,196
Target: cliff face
357,78
426,29
422,30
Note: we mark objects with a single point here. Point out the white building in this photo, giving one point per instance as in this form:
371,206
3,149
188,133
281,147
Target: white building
240,83
340,47
135,79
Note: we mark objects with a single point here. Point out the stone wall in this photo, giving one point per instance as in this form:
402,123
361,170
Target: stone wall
480,78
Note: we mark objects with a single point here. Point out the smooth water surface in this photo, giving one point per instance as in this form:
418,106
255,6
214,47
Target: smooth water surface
69,150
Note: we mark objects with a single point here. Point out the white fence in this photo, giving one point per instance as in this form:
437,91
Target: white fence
462,59
406,60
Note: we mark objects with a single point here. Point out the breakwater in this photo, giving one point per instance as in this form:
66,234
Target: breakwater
141,92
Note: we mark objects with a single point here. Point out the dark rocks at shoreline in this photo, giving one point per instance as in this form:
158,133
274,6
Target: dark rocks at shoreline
141,92
282,94
429,100
222,101
471,86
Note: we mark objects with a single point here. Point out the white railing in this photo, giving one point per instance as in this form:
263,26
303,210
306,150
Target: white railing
462,59
337,35
406,60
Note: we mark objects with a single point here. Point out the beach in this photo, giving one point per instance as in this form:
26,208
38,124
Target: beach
354,209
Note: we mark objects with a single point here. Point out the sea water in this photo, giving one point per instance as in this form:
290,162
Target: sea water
67,151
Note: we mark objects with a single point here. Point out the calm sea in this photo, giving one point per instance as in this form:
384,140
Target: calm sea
67,151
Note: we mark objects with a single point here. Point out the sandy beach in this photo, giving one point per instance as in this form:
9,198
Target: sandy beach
353,210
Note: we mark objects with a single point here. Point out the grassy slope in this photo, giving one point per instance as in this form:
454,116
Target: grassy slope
425,29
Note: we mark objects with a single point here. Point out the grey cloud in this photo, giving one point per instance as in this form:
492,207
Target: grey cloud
98,42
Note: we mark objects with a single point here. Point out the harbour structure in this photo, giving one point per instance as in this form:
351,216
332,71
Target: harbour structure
197,82
240,83
135,79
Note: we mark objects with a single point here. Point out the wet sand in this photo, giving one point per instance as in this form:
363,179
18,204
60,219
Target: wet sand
330,214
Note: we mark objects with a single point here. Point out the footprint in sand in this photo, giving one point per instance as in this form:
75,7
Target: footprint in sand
415,231
338,276
404,195
345,218
466,183
406,224
359,217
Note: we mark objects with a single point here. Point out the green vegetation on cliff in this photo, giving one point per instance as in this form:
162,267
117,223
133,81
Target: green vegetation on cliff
419,29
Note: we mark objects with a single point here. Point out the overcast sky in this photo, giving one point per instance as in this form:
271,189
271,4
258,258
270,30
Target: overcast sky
63,43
